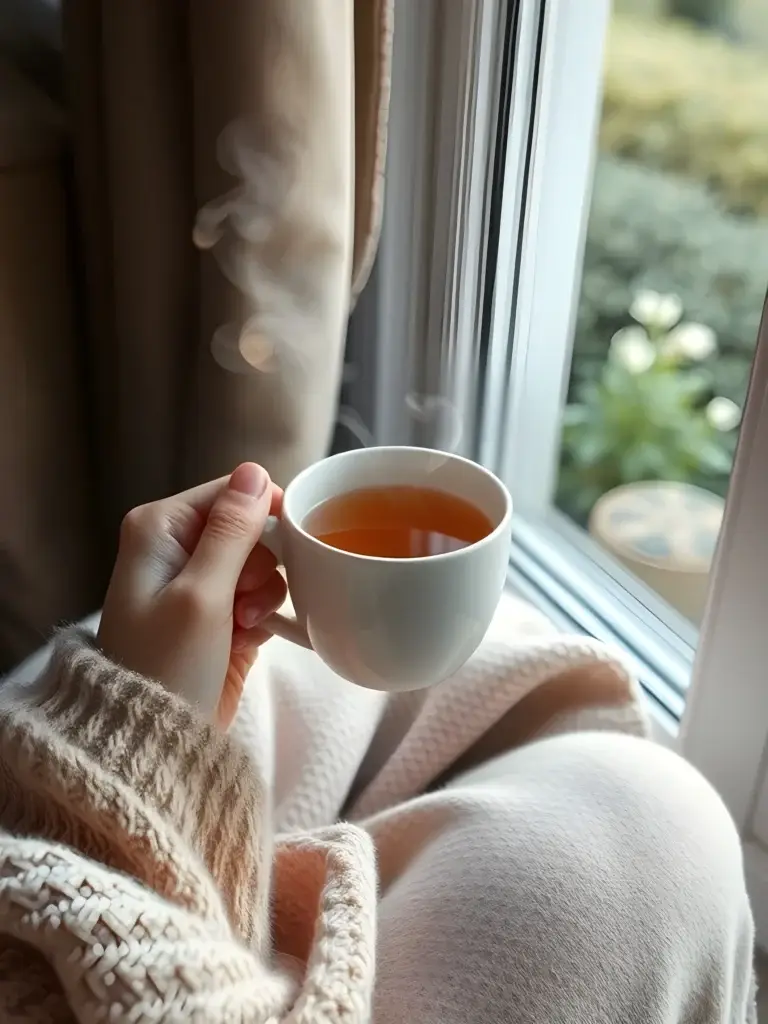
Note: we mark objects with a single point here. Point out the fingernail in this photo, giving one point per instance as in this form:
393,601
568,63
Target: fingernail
247,617
251,612
249,479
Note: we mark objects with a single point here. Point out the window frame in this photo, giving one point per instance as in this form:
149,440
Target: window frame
555,116
724,730
551,150
715,717
428,280
426,310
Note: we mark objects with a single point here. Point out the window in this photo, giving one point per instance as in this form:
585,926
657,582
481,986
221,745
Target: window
540,215
638,289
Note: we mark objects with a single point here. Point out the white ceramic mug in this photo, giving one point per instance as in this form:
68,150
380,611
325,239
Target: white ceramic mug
391,623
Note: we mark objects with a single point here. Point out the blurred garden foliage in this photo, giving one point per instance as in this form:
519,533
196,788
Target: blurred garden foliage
679,206
648,229
652,413
680,99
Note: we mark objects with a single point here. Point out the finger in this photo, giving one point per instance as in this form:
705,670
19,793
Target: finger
186,514
180,518
252,607
247,641
199,500
241,662
202,496
276,505
258,568
234,524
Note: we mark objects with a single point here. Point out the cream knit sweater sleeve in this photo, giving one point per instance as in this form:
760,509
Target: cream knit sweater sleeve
134,854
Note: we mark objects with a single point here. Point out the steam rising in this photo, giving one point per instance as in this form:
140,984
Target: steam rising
239,227
243,349
352,420
251,206
441,415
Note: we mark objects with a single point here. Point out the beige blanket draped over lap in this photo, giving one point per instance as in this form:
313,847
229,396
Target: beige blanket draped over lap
349,856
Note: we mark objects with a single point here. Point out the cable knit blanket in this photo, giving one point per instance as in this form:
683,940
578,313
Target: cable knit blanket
152,870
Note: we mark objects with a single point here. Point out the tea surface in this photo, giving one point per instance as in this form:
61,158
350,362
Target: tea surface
397,522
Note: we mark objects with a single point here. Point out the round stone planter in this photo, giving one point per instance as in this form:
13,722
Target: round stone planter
665,533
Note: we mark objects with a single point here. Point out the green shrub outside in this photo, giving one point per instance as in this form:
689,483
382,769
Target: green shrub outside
652,230
680,99
649,229
680,200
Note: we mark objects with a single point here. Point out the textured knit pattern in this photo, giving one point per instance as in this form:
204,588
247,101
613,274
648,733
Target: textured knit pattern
499,868
135,858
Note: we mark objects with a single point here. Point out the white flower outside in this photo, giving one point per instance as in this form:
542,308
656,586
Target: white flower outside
656,311
691,341
723,414
633,349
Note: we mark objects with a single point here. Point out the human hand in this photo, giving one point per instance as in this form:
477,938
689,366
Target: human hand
191,585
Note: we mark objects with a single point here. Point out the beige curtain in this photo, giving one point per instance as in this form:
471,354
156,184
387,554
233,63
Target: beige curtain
154,85
268,116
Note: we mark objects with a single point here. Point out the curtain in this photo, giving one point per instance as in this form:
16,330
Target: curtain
227,171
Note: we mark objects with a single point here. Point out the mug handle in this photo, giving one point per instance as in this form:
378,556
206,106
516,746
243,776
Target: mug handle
281,625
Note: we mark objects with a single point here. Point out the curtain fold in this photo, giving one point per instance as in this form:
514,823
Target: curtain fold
199,357
130,108
273,88
161,95
47,566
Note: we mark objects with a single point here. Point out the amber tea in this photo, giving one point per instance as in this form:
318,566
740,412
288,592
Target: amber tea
397,522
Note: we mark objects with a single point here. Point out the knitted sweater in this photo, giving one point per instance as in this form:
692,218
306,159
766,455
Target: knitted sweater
164,913
136,844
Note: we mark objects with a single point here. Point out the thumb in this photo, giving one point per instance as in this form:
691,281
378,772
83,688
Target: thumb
235,523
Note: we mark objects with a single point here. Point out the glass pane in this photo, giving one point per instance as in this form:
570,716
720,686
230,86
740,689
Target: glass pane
674,276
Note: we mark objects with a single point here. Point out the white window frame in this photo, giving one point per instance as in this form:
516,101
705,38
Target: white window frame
724,728
724,731
427,289
428,280
534,307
